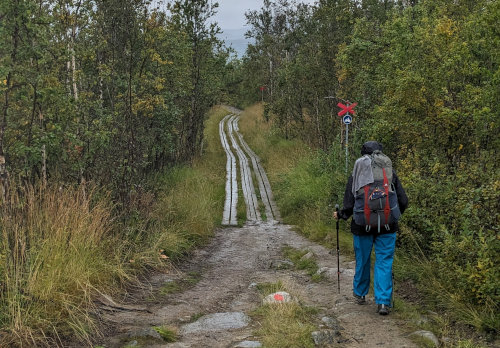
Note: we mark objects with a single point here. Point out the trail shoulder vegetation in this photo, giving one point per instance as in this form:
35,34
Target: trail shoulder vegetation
307,183
67,246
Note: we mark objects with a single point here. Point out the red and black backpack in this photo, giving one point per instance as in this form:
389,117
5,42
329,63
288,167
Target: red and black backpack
376,204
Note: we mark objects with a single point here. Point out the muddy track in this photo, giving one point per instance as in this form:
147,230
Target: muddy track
221,277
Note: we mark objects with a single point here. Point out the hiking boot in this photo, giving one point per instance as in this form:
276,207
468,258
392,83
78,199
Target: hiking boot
359,299
383,309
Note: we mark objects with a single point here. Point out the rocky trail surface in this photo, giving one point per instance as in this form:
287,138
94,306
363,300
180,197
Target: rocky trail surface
217,285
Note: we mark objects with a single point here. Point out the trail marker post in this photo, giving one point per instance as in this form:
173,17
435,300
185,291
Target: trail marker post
262,89
347,119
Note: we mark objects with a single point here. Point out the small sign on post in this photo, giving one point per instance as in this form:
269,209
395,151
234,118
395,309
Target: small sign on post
345,113
347,119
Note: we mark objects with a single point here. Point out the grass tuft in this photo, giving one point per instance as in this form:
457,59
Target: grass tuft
308,264
167,334
269,288
286,325
176,286
59,249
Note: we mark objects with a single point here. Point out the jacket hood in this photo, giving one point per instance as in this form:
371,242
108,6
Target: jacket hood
370,146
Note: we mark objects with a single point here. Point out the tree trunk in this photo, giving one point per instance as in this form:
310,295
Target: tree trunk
44,153
4,174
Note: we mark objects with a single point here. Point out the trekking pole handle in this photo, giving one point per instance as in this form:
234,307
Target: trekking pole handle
337,211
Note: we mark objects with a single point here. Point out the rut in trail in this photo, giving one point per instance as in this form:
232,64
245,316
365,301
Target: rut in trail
219,281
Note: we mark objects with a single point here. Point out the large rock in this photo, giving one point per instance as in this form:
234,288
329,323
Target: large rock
277,297
217,322
428,335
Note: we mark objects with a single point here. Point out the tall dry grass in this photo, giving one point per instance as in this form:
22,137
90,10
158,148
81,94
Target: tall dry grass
58,249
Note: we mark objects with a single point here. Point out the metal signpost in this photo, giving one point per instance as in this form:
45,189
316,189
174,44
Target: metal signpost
347,119
262,89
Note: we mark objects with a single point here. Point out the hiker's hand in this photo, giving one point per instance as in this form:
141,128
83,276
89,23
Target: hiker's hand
335,215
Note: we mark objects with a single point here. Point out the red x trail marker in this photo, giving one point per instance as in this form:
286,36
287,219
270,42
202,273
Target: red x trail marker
346,109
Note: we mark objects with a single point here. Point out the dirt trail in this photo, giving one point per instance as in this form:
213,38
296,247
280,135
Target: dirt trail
221,278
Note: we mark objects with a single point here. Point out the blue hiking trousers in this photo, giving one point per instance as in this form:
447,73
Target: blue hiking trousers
384,256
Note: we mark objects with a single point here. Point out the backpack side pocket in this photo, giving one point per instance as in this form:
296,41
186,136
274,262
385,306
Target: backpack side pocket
395,212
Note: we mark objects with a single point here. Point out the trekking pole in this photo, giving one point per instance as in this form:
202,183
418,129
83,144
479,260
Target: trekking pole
338,250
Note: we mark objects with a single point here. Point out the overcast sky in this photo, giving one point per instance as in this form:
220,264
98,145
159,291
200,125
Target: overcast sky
231,13
231,19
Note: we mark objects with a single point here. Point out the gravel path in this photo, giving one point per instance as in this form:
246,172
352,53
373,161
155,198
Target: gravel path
215,288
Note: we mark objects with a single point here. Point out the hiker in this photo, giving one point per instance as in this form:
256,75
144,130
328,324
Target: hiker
370,227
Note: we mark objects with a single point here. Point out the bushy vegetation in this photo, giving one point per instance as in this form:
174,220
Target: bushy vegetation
104,91
103,102
425,76
62,247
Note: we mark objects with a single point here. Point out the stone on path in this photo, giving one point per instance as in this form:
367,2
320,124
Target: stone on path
217,322
248,344
147,332
307,256
277,297
324,337
331,273
282,264
348,271
428,335
176,345
328,272
331,323
252,285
